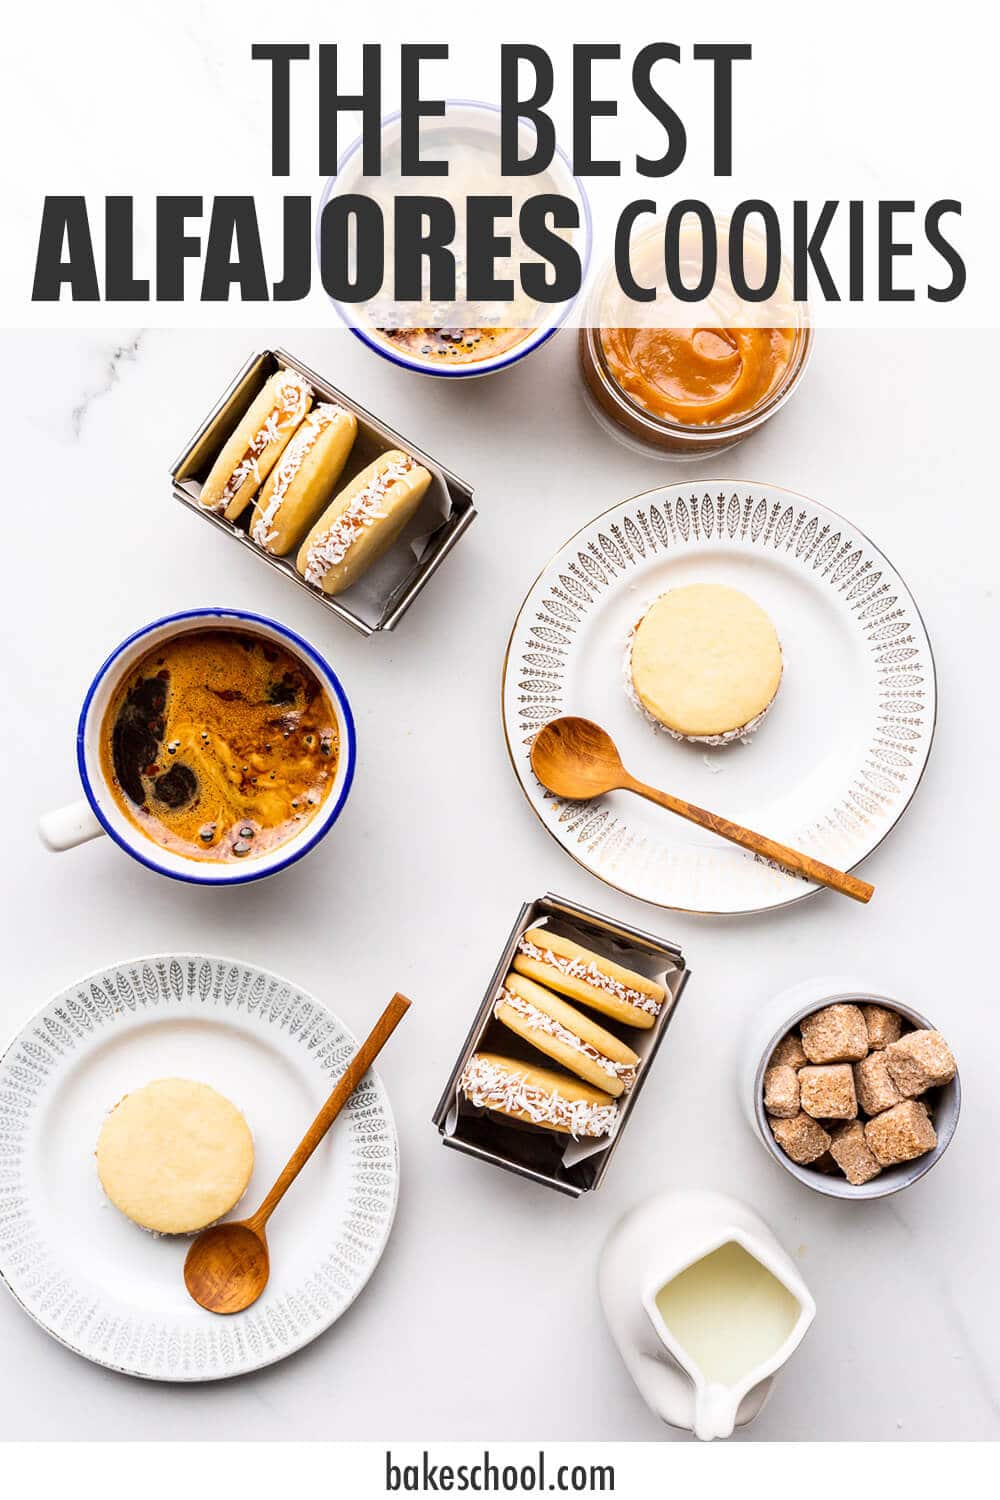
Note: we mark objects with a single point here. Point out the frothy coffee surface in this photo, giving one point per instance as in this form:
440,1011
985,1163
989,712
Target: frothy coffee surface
220,745
456,346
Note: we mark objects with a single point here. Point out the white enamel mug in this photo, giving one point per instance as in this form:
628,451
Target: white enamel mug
98,813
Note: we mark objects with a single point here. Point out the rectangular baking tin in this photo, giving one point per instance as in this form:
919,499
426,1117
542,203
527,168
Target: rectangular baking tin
485,1137
191,468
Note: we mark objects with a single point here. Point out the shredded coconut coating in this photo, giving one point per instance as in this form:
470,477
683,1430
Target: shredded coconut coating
333,545
489,1087
539,1021
289,464
290,400
575,968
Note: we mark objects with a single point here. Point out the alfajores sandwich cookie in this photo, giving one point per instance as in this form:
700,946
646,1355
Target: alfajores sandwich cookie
588,978
302,480
537,1096
566,1035
252,450
362,521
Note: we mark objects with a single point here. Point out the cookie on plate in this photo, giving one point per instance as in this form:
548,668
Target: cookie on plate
705,663
174,1156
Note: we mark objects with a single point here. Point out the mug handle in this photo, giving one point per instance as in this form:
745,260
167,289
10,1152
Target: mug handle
65,827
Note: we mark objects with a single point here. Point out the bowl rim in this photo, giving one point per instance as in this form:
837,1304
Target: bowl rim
297,850
518,351
891,1179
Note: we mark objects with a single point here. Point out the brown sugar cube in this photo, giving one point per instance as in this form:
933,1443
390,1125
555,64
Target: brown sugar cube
901,1133
803,1139
873,1085
919,1061
883,1026
827,1092
837,1033
789,1052
781,1092
850,1151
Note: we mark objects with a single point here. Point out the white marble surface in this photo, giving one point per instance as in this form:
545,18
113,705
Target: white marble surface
482,1321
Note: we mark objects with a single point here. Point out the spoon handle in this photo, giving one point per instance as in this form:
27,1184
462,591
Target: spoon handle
348,1082
758,843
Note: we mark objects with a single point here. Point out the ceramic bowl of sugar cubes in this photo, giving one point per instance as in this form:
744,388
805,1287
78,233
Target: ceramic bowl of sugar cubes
854,1093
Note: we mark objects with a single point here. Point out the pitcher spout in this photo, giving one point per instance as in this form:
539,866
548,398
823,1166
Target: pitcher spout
715,1413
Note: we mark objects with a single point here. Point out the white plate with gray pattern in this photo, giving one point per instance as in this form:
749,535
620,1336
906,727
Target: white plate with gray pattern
115,1294
835,762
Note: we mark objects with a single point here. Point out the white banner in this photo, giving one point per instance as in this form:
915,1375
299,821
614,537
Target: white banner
182,178
370,1471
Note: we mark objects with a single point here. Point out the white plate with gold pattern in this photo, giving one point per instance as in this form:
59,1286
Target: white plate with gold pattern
836,760
114,1293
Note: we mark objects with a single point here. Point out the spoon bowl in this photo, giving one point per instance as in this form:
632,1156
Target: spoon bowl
227,1267
576,758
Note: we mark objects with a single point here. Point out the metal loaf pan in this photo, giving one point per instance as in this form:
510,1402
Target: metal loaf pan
541,1155
452,494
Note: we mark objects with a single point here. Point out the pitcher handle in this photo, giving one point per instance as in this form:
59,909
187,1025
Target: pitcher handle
665,1388
65,827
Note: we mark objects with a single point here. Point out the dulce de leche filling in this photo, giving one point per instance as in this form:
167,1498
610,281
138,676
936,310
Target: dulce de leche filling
698,376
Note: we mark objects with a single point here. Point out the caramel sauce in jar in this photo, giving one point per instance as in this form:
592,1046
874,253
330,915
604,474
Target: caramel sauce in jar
698,376
688,379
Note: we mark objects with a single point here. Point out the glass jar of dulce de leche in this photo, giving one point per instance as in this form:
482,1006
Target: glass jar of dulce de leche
683,380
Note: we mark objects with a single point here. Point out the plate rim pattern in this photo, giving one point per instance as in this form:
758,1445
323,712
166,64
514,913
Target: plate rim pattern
664,519
176,983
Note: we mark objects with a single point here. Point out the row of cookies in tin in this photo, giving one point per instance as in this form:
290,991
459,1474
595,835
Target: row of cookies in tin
285,457
599,1066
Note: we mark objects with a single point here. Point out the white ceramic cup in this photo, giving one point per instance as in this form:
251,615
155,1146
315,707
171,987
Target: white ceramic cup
98,813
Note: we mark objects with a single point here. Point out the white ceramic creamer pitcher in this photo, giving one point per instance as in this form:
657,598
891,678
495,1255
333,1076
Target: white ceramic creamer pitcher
703,1234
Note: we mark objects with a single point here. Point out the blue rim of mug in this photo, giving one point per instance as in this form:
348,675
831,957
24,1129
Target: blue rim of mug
518,352
302,646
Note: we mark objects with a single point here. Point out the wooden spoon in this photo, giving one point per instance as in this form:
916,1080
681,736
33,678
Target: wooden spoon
227,1266
576,758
